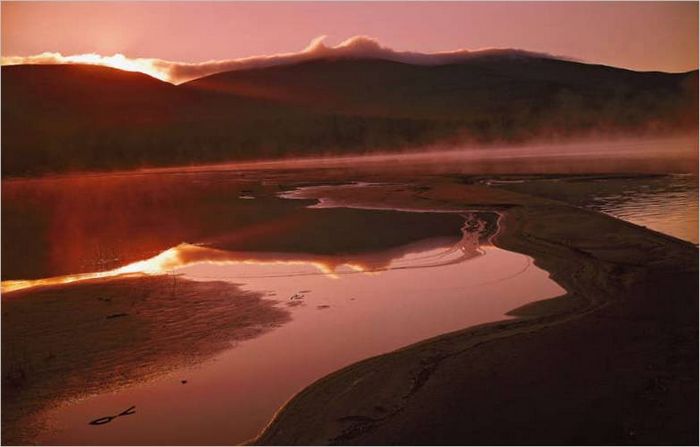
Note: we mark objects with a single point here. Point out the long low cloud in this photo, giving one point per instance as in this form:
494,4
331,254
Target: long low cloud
179,72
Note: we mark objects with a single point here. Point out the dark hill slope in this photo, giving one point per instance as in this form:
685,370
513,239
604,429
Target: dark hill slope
59,118
481,89
63,116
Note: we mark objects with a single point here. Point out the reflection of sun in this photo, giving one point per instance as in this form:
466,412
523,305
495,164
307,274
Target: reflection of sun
177,257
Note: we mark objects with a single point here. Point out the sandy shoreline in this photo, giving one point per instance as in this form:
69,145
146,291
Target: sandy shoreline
558,355
63,343
66,342
612,362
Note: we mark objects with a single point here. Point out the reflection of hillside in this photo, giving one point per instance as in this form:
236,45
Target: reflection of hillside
86,224
438,252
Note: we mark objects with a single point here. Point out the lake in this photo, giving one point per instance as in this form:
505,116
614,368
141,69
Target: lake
206,298
664,203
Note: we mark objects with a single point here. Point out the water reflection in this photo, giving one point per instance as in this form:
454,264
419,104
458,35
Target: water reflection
664,203
478,227
343,308
85,224
76,225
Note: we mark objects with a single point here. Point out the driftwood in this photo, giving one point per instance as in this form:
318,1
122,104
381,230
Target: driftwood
106,419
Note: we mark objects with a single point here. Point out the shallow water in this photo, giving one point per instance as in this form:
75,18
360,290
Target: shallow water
355,282
82,224
668,205
352,283
664,203
341,313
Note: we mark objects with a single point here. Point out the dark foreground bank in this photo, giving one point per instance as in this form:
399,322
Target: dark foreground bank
612,362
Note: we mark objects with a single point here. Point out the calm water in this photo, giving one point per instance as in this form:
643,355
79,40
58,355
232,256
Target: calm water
347,284
664,203
339,316
668,205
219,279
85,224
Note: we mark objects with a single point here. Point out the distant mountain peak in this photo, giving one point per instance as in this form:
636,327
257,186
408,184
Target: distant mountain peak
357,96
357,47
365,47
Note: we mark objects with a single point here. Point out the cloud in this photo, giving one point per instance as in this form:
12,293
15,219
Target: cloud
355,47
151,67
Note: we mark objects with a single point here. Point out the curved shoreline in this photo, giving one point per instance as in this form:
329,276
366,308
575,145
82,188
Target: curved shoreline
604,265
96,303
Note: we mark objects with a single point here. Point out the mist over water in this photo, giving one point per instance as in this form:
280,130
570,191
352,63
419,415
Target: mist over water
327,284
678,154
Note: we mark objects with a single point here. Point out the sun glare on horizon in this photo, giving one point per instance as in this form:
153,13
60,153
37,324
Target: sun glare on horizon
118,61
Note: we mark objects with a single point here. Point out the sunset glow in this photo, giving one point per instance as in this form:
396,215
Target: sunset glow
119,61
185,255
267,222
179,72
178,41
177,257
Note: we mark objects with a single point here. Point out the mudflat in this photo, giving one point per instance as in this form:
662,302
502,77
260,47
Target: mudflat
65,342
614,361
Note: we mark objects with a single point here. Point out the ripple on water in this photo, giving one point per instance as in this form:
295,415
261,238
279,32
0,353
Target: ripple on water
667,204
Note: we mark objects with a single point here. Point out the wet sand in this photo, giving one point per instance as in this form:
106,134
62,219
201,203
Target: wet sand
337,319
77,346
664,203
65,342
612,362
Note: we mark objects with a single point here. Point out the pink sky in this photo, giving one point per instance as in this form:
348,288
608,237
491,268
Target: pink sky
638,35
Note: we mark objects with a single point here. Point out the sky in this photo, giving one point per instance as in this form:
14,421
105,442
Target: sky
637,35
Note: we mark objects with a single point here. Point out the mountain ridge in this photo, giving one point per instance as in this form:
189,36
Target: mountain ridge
63,118
356,47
